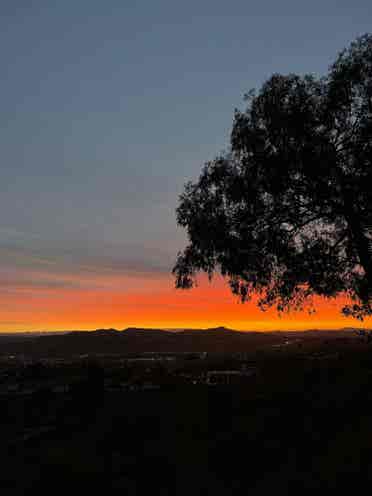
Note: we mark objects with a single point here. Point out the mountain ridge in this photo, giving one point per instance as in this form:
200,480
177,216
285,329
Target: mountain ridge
144,340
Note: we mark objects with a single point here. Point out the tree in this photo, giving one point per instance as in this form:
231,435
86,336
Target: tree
286,213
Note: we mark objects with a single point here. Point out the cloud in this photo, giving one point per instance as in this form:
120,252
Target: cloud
16,283
52,269
89,257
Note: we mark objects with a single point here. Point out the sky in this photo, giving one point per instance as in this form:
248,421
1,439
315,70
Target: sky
107,109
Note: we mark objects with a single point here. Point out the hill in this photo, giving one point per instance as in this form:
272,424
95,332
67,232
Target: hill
140,340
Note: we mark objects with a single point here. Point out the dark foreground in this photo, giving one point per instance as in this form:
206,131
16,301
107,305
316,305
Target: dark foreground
302,423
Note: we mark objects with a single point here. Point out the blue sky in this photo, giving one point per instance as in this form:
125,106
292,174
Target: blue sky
108,107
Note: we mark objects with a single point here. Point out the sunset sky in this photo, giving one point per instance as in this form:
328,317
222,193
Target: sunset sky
107,108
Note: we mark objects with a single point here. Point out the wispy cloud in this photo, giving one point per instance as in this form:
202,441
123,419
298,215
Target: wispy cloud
28,261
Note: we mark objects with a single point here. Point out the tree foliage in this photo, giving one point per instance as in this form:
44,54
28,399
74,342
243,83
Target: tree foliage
286,213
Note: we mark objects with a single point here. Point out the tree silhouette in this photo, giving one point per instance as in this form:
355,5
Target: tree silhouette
286,213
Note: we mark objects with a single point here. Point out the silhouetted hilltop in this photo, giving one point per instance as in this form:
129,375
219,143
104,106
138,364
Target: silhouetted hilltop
140,340
137,340
140,333
213,331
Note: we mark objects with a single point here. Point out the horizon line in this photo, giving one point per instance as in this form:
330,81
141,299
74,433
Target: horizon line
174,329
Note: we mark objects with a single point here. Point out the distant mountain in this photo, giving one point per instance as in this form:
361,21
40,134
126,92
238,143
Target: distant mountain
137,332
215,331
139,340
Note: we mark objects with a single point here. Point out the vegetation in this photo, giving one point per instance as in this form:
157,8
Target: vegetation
287,212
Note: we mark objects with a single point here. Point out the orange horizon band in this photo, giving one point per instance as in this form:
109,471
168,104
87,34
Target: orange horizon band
155,303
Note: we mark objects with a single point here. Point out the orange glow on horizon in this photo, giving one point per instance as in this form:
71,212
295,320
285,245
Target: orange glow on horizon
153,302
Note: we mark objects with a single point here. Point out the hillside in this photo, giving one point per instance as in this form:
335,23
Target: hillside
139,340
